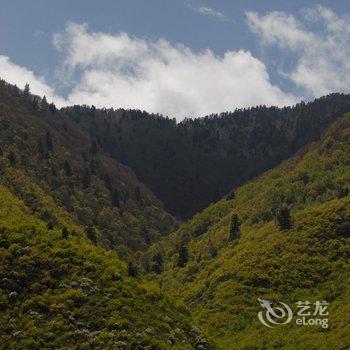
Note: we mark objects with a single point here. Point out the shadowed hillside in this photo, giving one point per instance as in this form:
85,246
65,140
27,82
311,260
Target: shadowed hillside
193,163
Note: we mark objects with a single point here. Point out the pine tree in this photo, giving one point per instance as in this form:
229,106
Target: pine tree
35,103
284,220
52,108
65,233
133,271
138,194
93,147
115,198
86,179
158,263
145,235
40,147
12,158
26,91
49,143
44,105
235,225
67,168
183,256
91,234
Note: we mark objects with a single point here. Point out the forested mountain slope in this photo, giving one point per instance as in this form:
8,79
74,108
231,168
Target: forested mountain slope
60,291
193,163
221,271
62,175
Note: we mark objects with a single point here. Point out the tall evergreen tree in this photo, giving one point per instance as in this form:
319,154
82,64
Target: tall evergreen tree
158,263
67,168
183,255
283,217
44,106
91,234
65,233
235,227
26,91
49,143
12,158
133,270
115,198
86,179
93,147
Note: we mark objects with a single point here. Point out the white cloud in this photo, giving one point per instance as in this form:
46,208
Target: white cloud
206,10
20,76
123,71
322,56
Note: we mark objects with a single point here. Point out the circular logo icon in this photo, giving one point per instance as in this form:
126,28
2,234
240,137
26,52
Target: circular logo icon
274,315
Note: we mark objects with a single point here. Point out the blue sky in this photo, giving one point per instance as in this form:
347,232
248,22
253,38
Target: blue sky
153,54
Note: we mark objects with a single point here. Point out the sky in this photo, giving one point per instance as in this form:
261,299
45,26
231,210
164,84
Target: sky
178,58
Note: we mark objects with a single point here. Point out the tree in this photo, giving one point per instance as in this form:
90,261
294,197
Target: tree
86,179
115,198
91,234
35,103
26,91
65,233
52,108
133,270
284,220
40,147
138,194
44,105
158,263
12,158
145,235
231,195
49,143
235,227
183,255
93,147
67,168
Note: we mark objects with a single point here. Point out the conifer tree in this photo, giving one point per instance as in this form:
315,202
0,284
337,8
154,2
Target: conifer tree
86,179
115,198
284,220
44,105
49,143
65,233
12,158
67,168
133,271
183,255
26,91
235,225
91,234
158,263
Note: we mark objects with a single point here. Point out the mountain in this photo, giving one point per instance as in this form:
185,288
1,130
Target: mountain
91,258
191,164
227,270
59,291
65,178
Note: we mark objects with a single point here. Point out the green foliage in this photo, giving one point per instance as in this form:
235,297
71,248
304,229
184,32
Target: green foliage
183,255
67,293
283,218
222,281
235,225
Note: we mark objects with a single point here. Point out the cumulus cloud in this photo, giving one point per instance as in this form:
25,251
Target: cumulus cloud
118,70
322,55
20,76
